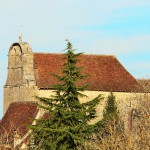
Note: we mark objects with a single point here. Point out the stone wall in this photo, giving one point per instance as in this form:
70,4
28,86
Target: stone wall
125,102
20,84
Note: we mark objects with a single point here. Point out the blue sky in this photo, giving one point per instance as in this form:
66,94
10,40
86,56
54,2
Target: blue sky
121,28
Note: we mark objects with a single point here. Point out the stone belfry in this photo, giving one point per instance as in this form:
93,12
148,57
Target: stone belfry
20,84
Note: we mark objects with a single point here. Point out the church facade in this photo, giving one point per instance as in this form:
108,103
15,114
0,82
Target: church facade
29,74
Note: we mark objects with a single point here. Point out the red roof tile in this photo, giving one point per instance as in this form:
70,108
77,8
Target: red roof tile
145,83
18,116
106,72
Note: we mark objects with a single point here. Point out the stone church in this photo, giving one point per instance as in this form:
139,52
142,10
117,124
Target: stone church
29,76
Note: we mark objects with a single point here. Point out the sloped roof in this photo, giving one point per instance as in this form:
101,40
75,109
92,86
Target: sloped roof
106,72
18,116
145,83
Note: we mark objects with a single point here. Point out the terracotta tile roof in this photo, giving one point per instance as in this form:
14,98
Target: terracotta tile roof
106,72
145,83
18,116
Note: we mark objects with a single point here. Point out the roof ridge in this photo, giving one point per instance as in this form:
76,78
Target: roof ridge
106,55
24,102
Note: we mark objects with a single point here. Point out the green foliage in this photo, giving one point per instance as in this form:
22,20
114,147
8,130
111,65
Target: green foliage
111,120
110,111
66,126
110,114
109,131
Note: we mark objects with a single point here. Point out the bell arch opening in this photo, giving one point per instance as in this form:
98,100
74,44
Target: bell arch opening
15,65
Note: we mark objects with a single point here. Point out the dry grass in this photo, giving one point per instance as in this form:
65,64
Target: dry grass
114,137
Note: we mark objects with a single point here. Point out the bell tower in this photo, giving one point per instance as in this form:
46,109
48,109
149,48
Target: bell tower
20,84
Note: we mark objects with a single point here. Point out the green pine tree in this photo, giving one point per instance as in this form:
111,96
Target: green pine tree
111,116
66,126
111,111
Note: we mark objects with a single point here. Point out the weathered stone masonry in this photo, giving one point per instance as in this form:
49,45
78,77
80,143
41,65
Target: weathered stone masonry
20,84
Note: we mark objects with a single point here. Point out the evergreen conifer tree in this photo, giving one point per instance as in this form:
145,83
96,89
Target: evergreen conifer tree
110,111
67,126
111,117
